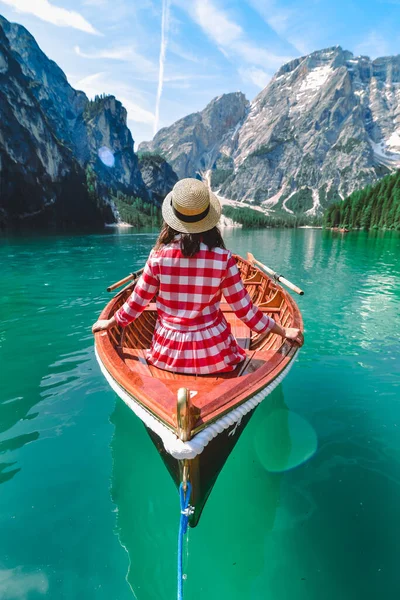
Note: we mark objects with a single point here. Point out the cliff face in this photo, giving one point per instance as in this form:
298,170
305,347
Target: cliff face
52,137
158,176
106,130
36,170
327,124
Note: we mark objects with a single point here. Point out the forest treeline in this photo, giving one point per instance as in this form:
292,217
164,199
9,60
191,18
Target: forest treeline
137,212
374,207
131,209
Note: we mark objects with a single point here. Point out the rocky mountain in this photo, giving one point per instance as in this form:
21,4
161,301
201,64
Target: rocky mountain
158,176
193,144
326,124
53,141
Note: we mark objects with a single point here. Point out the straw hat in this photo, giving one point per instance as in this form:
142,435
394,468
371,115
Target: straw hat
190,207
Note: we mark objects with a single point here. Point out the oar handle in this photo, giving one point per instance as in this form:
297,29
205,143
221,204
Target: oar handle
130,277
281,279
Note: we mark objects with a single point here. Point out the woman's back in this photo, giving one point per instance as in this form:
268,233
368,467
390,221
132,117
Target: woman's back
190,288
191,334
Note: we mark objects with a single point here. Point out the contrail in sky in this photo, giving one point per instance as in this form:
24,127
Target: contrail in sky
164,39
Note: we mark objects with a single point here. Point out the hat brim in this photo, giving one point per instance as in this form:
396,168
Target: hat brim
210,221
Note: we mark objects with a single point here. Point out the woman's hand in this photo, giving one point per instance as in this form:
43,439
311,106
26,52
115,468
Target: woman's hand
294,335
104,325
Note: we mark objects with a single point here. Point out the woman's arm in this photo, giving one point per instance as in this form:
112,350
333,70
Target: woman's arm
145,288
237,296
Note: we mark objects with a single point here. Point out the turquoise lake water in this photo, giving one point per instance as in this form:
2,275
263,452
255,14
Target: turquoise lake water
87,508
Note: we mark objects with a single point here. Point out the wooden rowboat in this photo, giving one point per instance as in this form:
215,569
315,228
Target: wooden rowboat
195,421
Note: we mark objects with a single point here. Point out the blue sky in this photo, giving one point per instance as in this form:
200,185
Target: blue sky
209,46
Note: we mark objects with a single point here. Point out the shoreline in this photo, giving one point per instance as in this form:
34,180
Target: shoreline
120,225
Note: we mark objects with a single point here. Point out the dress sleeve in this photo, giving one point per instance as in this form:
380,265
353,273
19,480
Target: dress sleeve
146,287
237,296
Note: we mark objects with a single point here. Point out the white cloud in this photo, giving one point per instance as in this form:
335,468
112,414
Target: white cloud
291,26
183,53
304,45
96,2
43,9
137,113
374,45
255,75
122,53
89,82
180,85
230,37
277,18
140,64
100,83
216,23
187,81
112,53
260,56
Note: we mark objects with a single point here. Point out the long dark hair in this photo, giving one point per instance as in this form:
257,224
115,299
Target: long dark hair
190,242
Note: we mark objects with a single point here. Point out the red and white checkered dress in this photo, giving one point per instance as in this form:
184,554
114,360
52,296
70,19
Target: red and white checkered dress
191,334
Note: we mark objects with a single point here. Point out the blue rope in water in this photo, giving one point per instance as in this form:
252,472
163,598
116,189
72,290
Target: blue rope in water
183,525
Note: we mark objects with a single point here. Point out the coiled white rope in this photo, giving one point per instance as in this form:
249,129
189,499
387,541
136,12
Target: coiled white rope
189,450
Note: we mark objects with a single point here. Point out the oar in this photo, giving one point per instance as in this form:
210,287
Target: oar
125,280
279,278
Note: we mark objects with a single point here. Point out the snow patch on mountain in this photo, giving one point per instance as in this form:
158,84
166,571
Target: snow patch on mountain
274,199
316,204
394,140
383,156
286,200
316,79
242,204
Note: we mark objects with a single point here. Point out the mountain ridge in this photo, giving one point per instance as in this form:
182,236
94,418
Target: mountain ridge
326,124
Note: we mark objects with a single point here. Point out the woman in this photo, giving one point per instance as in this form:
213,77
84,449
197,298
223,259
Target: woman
190,269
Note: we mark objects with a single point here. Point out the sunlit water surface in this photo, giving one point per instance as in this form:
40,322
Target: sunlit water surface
87,508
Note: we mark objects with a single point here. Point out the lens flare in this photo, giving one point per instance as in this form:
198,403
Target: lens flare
284,440
106,156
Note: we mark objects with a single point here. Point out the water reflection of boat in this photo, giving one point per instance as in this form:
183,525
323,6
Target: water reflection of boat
195,422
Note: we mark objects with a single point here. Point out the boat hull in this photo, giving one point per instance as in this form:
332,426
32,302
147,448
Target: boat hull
205,468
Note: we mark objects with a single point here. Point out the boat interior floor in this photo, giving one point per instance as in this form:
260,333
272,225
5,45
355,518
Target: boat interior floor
135,358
